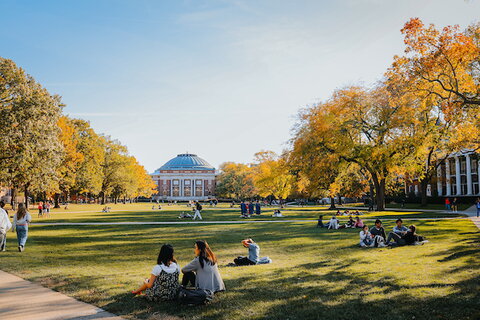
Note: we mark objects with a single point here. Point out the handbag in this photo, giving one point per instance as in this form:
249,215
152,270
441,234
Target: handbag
195,297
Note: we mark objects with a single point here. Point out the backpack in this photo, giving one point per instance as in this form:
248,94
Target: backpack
199,207
195,297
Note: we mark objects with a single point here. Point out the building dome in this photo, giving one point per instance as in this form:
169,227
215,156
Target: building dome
187,161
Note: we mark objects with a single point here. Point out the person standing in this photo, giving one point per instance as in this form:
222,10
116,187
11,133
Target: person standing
21,219
243,208
447,204
5,225
251,208
454,205
478,207
198,209
258,208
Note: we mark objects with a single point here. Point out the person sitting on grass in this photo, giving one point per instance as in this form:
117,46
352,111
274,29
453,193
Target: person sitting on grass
333,223
253,254
277,214
350,223
320,222
358,223
378,234
163,283
408,238
202,272
398,232
366,239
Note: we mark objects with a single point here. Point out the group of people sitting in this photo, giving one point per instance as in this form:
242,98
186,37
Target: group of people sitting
201,273
347,213
334,223
400,235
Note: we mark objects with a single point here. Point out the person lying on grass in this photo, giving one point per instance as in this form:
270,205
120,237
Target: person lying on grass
163,283
202,272
410,237
253,254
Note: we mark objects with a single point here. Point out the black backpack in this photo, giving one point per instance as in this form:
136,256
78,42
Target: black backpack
199,207
195,297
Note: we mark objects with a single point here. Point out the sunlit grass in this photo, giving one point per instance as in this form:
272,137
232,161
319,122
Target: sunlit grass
316,273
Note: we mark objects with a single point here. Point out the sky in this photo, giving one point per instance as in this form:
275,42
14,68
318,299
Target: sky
220,79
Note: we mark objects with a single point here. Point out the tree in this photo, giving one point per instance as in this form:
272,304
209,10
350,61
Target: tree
273,177
29,135
113,167
235,181
370,128
443,63
440,70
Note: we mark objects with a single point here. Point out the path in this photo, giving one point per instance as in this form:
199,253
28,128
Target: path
24,300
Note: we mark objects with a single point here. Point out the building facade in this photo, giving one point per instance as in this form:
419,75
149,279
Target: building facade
457,176
185,177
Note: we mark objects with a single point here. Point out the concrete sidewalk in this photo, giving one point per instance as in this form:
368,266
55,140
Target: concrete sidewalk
24,300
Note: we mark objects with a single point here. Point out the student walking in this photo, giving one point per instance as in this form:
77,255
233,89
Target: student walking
258,208
198,209
5,225
455,205
21,219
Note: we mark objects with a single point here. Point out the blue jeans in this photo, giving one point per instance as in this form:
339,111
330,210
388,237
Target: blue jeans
478,212
22,235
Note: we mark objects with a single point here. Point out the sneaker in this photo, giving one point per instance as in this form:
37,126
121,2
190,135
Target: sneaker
19,248
22,248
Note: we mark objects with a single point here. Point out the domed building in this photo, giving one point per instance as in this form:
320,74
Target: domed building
185,177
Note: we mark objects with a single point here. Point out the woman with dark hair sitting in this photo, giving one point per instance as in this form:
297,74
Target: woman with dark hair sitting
202,272
163,283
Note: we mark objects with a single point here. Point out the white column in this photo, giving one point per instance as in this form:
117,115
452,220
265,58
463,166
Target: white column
457,176
447,173
439,180
469,174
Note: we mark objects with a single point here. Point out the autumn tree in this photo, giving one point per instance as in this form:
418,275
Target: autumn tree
272,176
440,71
235,181
29,134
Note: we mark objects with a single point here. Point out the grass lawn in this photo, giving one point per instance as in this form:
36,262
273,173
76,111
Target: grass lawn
143,212
315,274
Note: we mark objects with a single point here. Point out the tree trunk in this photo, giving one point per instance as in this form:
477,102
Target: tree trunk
56,199
26,195
379,192
332,204
423,192
103,198
13,200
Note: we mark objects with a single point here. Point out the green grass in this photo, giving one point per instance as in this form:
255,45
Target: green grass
315,274
143,212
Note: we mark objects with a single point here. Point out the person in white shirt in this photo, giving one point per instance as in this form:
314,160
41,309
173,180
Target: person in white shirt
5,225
163,283
333,224
366,239
21,219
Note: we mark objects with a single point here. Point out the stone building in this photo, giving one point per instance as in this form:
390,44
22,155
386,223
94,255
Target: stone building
185,177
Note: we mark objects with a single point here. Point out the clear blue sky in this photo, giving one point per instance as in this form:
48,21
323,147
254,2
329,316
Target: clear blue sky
222,79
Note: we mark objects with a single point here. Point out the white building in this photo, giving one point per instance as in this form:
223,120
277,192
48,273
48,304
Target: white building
185,177
459,175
